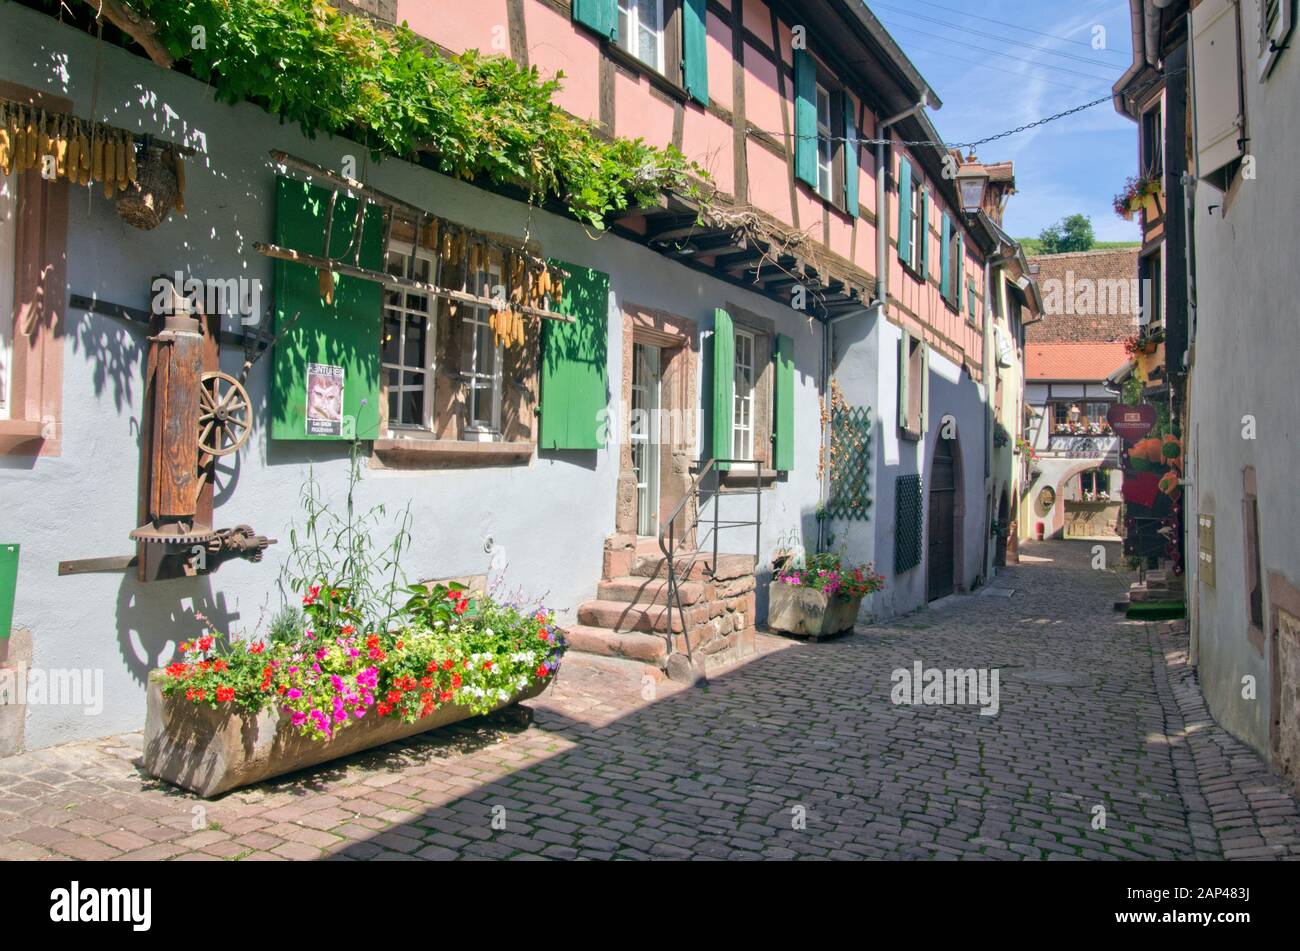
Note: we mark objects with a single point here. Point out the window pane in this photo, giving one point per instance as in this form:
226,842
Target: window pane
391,339
415,340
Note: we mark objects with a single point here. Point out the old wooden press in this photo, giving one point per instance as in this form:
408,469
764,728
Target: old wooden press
193,416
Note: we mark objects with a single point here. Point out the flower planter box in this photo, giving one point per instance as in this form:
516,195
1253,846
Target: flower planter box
794,609
211,751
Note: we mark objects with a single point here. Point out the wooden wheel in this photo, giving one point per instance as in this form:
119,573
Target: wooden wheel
225,414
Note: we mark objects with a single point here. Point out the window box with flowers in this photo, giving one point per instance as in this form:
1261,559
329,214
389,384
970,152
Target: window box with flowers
1138,194
819,597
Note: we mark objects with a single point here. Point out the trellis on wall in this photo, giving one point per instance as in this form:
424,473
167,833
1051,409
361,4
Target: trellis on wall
907,523
850,462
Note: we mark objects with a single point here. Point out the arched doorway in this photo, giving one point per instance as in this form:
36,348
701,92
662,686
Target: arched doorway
941,538
1004,530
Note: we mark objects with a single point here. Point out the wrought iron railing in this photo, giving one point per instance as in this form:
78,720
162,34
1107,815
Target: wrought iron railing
670,544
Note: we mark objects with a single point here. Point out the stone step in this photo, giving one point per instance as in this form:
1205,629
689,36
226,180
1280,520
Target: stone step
647,648
729,566
621,616
634,589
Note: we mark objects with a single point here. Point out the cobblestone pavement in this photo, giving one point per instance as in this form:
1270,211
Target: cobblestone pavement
797,753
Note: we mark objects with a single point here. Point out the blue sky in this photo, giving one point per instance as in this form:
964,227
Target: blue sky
993,77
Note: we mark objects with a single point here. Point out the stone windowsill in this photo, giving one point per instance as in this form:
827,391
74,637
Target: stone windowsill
439,453
24,434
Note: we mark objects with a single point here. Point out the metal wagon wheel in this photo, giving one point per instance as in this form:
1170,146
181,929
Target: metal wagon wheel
225,414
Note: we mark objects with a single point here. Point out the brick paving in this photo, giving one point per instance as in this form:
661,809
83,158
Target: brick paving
798,753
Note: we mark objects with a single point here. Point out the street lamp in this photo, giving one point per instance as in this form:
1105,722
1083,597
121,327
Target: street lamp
972,182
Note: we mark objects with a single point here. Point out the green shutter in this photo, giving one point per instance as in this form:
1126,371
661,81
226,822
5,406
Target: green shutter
970,295
783,415
904,210
805,118
851,147
925,387
695,65
904,351
724,384
8,587
598,15
925,234
961,271
574,393
945,258
342,334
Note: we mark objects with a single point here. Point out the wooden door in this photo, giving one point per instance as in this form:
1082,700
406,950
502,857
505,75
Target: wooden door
940,539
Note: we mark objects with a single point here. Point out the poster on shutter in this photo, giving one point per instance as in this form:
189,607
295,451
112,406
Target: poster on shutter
324,400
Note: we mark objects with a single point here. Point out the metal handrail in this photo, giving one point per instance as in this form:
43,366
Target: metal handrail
668,535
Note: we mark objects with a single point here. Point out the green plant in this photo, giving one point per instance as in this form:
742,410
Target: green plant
476,116
825,571
335,552
287,625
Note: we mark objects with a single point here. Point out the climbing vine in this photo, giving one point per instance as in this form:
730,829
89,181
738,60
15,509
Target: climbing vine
477,116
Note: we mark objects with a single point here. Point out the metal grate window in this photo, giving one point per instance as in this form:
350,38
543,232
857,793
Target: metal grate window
907,523
850,463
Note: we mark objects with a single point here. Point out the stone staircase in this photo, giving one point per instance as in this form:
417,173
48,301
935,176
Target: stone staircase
630,617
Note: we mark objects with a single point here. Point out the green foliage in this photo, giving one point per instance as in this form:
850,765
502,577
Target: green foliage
335,563
476,116
287,626
1072,233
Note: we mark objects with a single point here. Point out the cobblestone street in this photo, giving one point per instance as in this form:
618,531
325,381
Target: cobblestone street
797,753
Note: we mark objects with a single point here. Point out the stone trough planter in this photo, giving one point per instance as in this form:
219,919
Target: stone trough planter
793,609
211,752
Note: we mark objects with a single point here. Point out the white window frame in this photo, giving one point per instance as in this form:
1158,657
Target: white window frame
475,316
918,235
631,26
742,435
1273,39
825,144
405,250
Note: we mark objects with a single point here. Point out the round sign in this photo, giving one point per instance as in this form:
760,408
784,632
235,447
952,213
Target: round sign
1046,500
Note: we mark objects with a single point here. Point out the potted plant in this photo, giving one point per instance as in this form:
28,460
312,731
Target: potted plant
819,596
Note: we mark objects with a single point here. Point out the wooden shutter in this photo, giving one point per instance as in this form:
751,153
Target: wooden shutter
695,66
925,234
601,16
8,587
851,147
342,334
924,422
960,271
1217,78
783,412
805,117
945,257
904,210
574,360
724,385
904,389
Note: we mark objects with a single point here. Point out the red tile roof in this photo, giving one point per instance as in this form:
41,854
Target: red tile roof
1073,361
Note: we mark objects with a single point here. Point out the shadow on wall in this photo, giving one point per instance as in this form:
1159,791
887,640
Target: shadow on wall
154,617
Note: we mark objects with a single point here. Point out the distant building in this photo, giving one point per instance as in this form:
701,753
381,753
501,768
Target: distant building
1090,305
